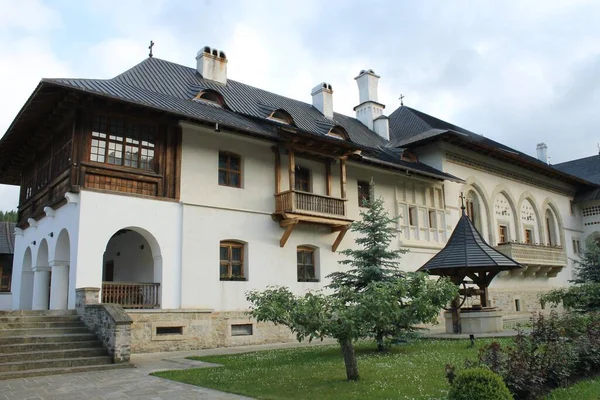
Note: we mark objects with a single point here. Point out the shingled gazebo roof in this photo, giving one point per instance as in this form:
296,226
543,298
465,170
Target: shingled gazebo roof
468,252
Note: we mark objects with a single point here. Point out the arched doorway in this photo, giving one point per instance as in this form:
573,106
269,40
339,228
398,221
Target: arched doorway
132,269
26,293
59,287
41,278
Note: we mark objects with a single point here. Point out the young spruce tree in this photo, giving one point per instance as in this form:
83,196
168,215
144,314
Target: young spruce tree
372,260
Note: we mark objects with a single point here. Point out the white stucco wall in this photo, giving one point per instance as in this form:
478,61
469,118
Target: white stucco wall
212,213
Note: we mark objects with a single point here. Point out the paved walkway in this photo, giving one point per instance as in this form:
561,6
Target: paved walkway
128,383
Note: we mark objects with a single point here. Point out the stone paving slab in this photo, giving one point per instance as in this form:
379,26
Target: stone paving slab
130,383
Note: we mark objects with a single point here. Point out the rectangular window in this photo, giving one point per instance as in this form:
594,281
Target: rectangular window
241,330
364,193
528,236
231,261
5,278
503,234
230,170
572,207
576,246
412,216
305,260
517,305
302,179
118,141
471,211
169,330
432,219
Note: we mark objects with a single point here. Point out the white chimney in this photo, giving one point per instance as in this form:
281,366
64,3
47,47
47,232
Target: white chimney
369,109
542,152
322,99
212,64
381,126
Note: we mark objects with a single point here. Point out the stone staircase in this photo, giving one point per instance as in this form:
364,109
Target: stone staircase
36,343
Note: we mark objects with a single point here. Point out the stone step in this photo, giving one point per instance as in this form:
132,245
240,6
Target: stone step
57,371
64,363
37,313
47,338
33,347
52,354
37,318
6,333
75,323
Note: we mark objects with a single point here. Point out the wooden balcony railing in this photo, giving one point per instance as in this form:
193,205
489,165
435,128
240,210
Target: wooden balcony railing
131,294
295,201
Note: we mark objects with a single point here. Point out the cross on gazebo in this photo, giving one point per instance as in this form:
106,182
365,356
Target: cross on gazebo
150,48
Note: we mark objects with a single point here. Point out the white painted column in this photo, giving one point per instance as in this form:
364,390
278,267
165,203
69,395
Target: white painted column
59,289
41,288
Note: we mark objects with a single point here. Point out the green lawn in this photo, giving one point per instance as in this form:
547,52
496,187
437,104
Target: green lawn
584,390
414,371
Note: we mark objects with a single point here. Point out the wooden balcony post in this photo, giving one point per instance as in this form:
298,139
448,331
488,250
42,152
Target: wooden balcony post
277,169
343,178
328,175
292,168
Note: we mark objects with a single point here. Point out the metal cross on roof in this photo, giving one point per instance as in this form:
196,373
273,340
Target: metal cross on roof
401,99
150,48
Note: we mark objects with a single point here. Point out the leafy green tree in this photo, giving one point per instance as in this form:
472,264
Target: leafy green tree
349,314
584,296
8,216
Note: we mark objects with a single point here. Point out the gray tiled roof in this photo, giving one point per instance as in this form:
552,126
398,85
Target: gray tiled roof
171,87
7,237
467,249
587,168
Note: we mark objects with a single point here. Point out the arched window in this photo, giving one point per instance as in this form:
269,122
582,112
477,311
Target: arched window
529,222
306,263
211,96
504,219
551,229
409,156
231,261
281,116
473,209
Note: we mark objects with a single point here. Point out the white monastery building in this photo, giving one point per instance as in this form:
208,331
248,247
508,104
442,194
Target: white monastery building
172,190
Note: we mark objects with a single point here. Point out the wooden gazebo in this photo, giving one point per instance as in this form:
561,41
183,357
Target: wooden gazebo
467,255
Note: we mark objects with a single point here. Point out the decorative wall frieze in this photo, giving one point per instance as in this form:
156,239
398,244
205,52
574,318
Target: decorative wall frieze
498,171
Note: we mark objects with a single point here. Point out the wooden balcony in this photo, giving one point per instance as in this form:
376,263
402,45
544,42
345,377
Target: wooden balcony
540,261
294,201
294,206
131,294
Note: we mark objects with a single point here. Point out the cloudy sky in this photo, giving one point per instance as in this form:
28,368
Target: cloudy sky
519,72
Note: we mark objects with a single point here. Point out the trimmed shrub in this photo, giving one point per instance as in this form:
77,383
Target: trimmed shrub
478,384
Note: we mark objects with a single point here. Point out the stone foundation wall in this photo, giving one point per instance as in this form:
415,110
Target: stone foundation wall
528,301
176,330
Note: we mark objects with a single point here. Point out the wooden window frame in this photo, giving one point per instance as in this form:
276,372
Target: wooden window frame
230,262
362,195
471,211
5,288
528,236
281,116
211,96
503,234
549,232
305,278
298,179
147,133
228,170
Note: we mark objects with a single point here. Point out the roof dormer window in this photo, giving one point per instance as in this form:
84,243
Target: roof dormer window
409,156
338,132
211,96
281,116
